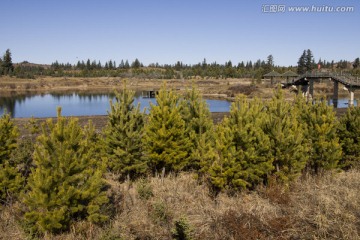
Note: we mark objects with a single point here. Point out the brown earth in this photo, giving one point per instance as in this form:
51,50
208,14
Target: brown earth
101,120
98,121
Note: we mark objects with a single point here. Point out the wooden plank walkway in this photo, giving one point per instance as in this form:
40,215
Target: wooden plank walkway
346,79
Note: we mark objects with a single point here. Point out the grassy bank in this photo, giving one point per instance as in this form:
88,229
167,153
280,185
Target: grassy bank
210,87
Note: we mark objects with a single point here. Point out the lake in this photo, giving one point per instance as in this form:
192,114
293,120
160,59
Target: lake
76,104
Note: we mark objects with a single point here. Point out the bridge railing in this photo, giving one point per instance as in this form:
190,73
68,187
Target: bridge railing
342,77
348,78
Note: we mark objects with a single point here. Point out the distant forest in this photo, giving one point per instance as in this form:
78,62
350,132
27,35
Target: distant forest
179,70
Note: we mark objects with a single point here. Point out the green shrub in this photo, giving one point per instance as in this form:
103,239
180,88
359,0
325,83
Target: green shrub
144,190
66,183
199,130
11,181
320,128
123,136
165,141
160,213
289,147
349,134
244,158
182,230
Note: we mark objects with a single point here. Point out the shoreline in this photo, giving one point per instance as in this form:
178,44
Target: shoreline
100,121
209,87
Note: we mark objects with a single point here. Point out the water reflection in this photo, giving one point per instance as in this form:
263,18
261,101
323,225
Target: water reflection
341,103
7,104
76,104
80,104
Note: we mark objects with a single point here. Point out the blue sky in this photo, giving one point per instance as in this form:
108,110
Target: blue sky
165,31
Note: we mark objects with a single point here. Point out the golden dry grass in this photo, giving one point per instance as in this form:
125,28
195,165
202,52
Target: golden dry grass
217,88
210,87
323,207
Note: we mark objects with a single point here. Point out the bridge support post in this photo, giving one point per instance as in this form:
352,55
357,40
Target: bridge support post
305,90
336,94
311,88
351,100
299,88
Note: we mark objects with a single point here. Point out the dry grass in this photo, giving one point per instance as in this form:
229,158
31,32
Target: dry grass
326,207
216,87
211,87
9,223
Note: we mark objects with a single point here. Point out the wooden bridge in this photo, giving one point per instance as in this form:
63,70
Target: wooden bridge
307,80
149,93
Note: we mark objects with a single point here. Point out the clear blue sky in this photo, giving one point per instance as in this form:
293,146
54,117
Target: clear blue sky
165,31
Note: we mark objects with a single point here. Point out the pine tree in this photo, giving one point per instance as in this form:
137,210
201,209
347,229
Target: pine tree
349,134
288,144
7,64
123,136
269,63
200,130
356,63
110,64
224,170
320,125
126,65
165,138
301,69
136,64
309,61
88,64
22,157
94,64
8,137
66,183
78,65
247,152
122,64
11,181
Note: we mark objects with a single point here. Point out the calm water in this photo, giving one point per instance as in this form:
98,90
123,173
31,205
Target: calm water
75,104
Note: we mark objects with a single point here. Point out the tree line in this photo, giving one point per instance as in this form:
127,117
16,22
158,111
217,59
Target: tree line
179,70
58,173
